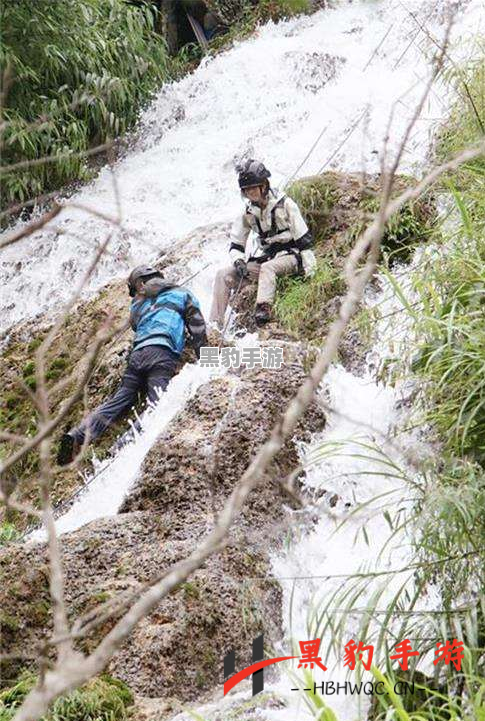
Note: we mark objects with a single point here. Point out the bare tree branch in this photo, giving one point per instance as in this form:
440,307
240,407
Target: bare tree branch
25,164
103,336
32,227
56,575
21,507
37,200
410,194
11,437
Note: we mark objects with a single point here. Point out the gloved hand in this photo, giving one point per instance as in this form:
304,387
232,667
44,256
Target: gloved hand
241,268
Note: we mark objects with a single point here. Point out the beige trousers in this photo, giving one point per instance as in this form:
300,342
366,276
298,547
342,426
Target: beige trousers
266,273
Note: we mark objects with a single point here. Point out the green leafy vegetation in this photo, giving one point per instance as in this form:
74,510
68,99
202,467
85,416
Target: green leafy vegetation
252,12
68,92
403,231
102,699
8,533
300,303
316,196
337,208
448,315
428,704
241,18
76,73
445,353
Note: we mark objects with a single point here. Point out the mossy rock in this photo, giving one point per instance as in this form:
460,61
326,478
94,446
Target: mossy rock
316,196
232,12
337,207
65,362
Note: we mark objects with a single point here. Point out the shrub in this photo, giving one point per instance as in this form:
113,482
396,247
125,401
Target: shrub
101,699
451,293
78,70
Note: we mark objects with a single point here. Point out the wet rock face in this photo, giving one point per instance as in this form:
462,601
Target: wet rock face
196,462
66,360
178,649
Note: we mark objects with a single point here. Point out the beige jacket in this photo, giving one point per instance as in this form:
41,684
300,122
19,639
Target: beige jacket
279,222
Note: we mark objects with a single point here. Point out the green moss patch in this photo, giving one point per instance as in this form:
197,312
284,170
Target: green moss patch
300,302
64,362
8,533
246,11
241,17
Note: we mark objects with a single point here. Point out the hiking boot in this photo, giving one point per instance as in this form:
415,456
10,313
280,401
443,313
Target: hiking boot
68,449
262,313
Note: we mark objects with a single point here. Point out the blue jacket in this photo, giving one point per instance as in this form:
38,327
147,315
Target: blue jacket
163,313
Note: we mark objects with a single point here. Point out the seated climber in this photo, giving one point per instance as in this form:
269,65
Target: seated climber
161,312
283,241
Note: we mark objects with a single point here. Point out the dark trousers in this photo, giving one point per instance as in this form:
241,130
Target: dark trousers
149,370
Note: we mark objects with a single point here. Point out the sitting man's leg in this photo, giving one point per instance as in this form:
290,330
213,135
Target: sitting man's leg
281,265
226,280
103,416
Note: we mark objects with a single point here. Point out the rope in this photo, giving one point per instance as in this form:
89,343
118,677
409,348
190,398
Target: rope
223,333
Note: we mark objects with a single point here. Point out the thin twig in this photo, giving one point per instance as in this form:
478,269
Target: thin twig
6,169
32,227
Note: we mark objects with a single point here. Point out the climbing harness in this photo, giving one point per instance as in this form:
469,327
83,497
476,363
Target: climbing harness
274,230
270,250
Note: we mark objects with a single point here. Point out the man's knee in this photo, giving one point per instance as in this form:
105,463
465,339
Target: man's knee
278,267
267,271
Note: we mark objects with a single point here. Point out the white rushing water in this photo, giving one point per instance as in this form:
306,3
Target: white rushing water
114,477
360,461
340,71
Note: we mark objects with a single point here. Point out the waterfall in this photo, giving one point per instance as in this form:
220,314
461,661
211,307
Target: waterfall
329,81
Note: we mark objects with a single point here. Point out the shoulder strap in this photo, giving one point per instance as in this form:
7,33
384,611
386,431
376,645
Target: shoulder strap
274,227
264,234
161,303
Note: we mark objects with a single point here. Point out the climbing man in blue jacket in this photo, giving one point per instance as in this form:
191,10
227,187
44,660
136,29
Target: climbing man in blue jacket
161,312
